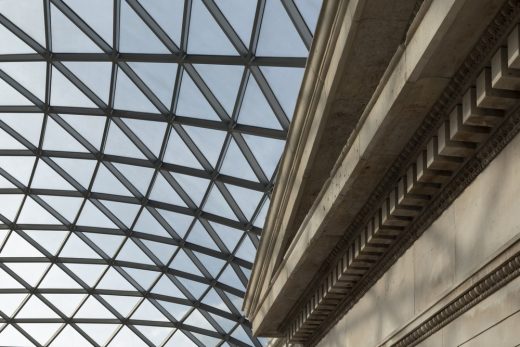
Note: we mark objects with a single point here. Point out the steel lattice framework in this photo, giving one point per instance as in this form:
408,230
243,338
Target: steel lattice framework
138,145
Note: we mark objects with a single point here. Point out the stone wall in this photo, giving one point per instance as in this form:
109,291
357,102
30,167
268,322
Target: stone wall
475,229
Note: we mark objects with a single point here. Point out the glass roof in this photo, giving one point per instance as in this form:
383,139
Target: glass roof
139,140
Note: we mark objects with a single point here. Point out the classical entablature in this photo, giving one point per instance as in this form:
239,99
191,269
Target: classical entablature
403,105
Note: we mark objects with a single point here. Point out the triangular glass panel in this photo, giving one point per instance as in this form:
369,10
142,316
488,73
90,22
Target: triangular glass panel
127,337
207,340
260,218
113,280
230,236
310,11
122,304
278,36
106,242
206,36
31,75
136,36
33,213
66,206
100,333
90,127
267,152
177,152
92,308
92,216
57,278
17,246
77,248
139,176
67,37
147,311
88,273
255,109
213,299
196,289
180,339
177,311
10,205
235,163
182,262
230,278
226,324
209,141
191,101
35,308
195,187
149,132
12,43
247,199
9,302
196,319
28,16
95,75
149,225
107,183
247,250
51,240
144,278
67,335
29,272
162,191
285,82
18,167
156,335
58,139
168,14
132,253
243,23
29,125
129,96
126,213
66,303
46,178
65,93
119,144
98,14
166,287
217,205
79,169
9,142
162,251
241,335
4,183
10,96
12,337
8,282
159,77
179,222
199,236
212,264
224,81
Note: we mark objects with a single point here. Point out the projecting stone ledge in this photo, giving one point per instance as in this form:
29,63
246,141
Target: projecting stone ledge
437,43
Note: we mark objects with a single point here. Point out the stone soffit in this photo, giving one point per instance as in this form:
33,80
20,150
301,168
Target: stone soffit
474,115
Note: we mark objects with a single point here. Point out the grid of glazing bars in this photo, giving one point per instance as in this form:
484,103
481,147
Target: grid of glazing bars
136,162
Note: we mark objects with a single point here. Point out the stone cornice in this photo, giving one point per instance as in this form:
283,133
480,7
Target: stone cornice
297,146
320,83
390,233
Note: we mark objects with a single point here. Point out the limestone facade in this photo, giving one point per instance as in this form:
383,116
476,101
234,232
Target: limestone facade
412,236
